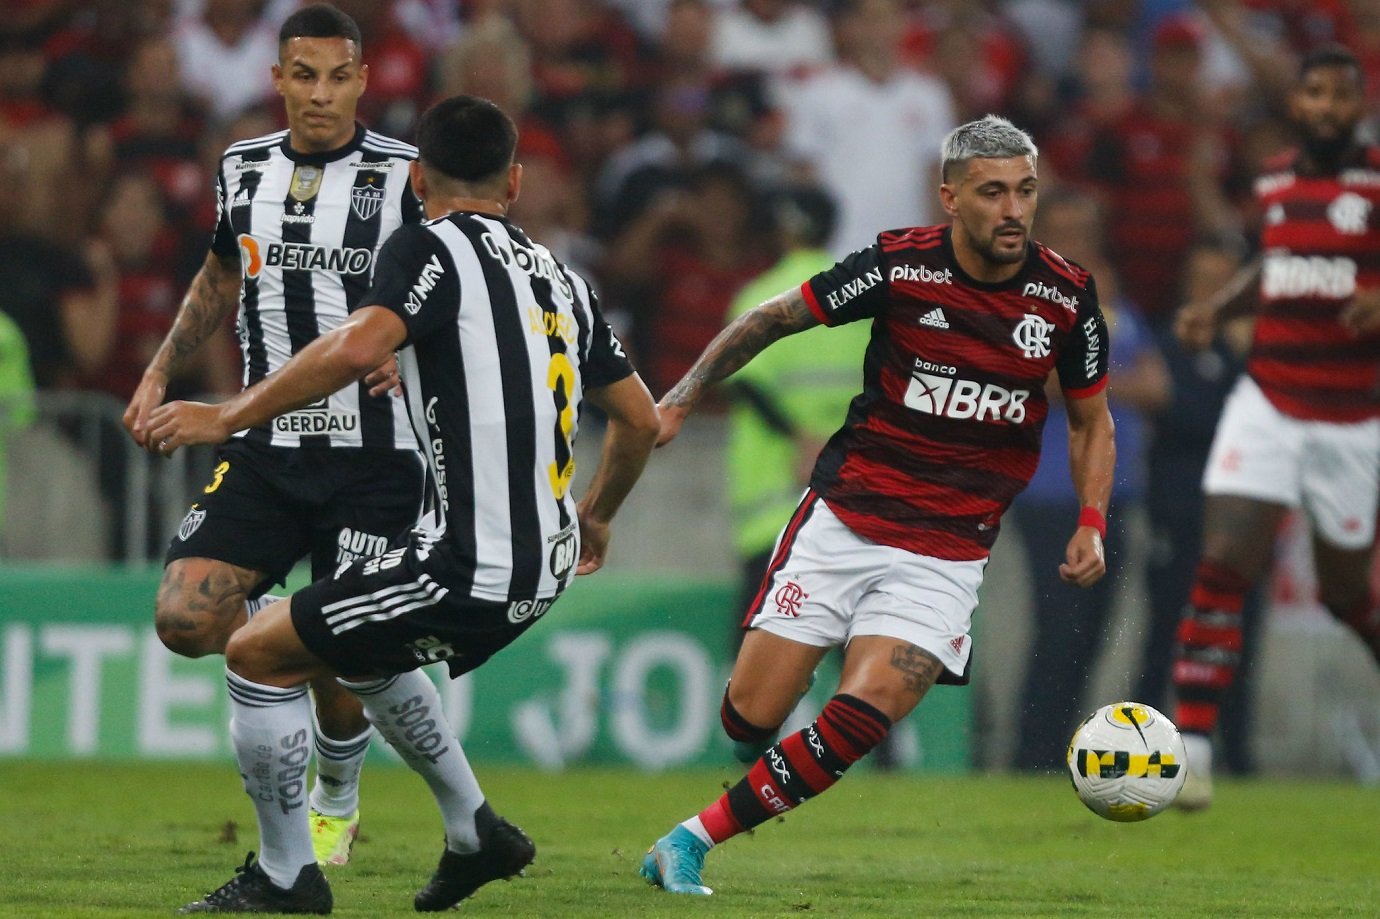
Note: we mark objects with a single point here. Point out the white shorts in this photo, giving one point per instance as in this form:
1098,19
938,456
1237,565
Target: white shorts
827,585
1328,468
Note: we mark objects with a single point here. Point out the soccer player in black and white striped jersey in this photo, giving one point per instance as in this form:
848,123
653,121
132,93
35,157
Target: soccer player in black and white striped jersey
502,346
301,215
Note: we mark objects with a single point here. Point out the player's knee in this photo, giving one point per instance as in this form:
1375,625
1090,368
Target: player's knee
740,727
197,625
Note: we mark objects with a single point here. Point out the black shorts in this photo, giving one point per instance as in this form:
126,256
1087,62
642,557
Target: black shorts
265,508
392,614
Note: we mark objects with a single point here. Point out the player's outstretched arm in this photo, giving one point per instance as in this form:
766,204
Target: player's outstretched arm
743,339
1092,464
1196,323
341,356
212,297
628,441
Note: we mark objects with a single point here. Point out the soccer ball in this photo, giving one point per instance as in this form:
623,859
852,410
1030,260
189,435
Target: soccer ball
1127,762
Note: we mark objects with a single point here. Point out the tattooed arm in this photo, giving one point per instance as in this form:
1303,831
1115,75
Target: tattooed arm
214,294
746,337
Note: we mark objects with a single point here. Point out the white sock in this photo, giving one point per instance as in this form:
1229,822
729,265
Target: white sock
696,826
253,606
338,765
271,729
1198,750
406,709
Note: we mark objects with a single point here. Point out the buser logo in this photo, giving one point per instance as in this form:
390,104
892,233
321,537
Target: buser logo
965,399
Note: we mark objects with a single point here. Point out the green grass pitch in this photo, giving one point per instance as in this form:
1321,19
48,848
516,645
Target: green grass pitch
104,840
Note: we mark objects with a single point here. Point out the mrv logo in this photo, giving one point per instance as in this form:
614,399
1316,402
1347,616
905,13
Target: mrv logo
1307,276
964,399
854,287
1050,293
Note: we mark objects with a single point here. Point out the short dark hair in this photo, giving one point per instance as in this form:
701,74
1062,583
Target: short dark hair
320,20
466,138
1330,55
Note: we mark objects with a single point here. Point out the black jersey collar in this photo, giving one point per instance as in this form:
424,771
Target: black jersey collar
329,156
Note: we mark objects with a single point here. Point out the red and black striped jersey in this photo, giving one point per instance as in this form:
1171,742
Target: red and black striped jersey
946,431
1320,243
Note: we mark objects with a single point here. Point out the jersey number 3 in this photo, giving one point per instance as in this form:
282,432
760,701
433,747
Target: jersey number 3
560,378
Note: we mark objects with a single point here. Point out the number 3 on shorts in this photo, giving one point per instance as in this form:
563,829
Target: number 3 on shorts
217,476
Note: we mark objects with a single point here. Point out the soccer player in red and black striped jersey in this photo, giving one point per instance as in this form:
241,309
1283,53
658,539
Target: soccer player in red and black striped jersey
885,553
1302,426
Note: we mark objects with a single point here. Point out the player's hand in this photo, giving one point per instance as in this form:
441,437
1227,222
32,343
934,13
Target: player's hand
1084,563
182,424
146,398
385,378
672,417
1362,315
594,543
1196,325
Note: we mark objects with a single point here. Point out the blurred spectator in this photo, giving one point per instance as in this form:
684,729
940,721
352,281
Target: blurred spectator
775,36
790,398
1161,166
1070,624
433,24
399,77
225,53
677,266
153,263
1178,451
64,306
551,209
55,194
681,142
16,400
583,53
1102,95
978,55
869,129
159,133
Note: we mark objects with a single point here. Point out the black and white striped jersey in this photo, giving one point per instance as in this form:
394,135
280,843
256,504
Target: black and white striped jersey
503,342
307,228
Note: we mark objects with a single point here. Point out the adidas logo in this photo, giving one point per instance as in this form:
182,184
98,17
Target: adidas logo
936,318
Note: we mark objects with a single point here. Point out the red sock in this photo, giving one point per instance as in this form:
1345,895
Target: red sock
801,766
1209,646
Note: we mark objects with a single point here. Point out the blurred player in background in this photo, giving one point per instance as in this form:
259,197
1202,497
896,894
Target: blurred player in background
504,345
301,214
1301,428
885,553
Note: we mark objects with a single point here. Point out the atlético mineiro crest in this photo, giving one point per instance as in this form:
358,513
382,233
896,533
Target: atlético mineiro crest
366,200
190,523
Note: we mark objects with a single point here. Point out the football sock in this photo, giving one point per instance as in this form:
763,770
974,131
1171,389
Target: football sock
1364,620
253,606
338,764
1209,646
739,728
271,730
797,768
406,709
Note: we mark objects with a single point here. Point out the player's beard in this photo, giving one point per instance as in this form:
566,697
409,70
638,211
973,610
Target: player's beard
1328,151
989,251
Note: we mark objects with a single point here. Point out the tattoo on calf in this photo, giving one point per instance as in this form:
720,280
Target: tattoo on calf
920,667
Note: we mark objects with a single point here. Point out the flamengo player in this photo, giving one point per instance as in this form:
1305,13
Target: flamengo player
885,553
301,214
1302,426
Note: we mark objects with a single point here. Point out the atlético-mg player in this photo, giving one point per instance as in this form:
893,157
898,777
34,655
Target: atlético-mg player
1301,429
885,553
